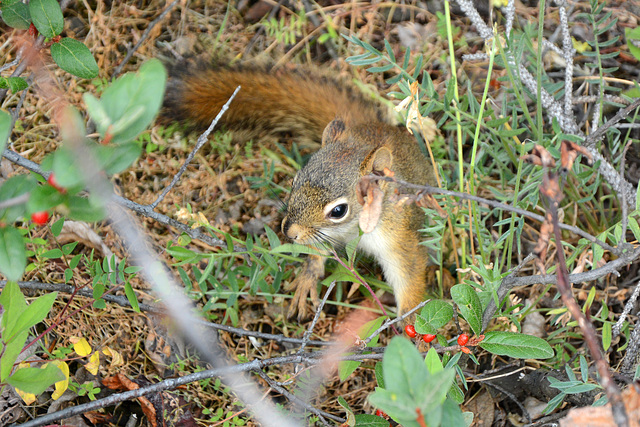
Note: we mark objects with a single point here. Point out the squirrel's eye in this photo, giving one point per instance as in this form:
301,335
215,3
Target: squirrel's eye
339,211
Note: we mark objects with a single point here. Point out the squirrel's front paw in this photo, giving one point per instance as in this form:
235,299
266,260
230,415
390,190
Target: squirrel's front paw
305,285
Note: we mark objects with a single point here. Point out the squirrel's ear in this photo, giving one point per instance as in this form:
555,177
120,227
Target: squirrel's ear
377,160
333,131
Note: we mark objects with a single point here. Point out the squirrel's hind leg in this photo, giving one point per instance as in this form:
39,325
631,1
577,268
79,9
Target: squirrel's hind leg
306,284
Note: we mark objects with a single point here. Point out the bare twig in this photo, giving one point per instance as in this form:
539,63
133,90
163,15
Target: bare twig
124,302
14,201
170,384
509,208
202,139
590,141
309,331
195,233
631,356
615,331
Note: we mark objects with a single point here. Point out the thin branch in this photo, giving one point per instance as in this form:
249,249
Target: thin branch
590,141
202,139
503,206
124,302
173,383
195,233
309,331
627,309
14,201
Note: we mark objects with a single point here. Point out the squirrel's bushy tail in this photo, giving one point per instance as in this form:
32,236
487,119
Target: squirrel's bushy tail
292,100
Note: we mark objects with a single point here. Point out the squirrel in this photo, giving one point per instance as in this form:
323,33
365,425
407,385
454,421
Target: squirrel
358,138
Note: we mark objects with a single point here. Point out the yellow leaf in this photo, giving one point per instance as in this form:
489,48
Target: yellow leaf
81,346
94,363
28,398
580,47
61,386
500,3
116,358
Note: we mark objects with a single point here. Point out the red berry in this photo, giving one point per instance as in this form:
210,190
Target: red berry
465,350
410,330
428,337
32,30
52,182
463,339
40,218
380,413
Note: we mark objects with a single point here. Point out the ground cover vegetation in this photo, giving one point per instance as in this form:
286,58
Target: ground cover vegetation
127,299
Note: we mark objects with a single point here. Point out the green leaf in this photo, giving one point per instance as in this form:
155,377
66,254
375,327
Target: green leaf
274,241
13,257
394,404
75,58
14,187
346,368
434,315
82,209
131,297
53,253
633,34
351,420
10,353
138,95
469,305
33,314
36,380
47,17
44,198
368,420
16,14
379,375
56,228
403,367
452,415
14,84
519,346
5,129
606,335
295,249
14,304
433,362
62,163
116,158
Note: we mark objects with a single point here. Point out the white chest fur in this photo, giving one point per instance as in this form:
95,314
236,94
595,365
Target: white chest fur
380,245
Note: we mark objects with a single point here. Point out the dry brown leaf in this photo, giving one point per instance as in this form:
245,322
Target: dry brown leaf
601,416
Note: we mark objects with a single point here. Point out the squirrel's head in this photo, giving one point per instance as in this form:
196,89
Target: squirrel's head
323,206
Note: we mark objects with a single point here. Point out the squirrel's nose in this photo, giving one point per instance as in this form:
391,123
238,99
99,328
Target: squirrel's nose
290,230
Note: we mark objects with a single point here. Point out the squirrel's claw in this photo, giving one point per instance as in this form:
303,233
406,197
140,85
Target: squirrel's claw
305,284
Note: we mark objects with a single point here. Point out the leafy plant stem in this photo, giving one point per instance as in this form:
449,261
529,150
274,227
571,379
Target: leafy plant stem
474,150
454,77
